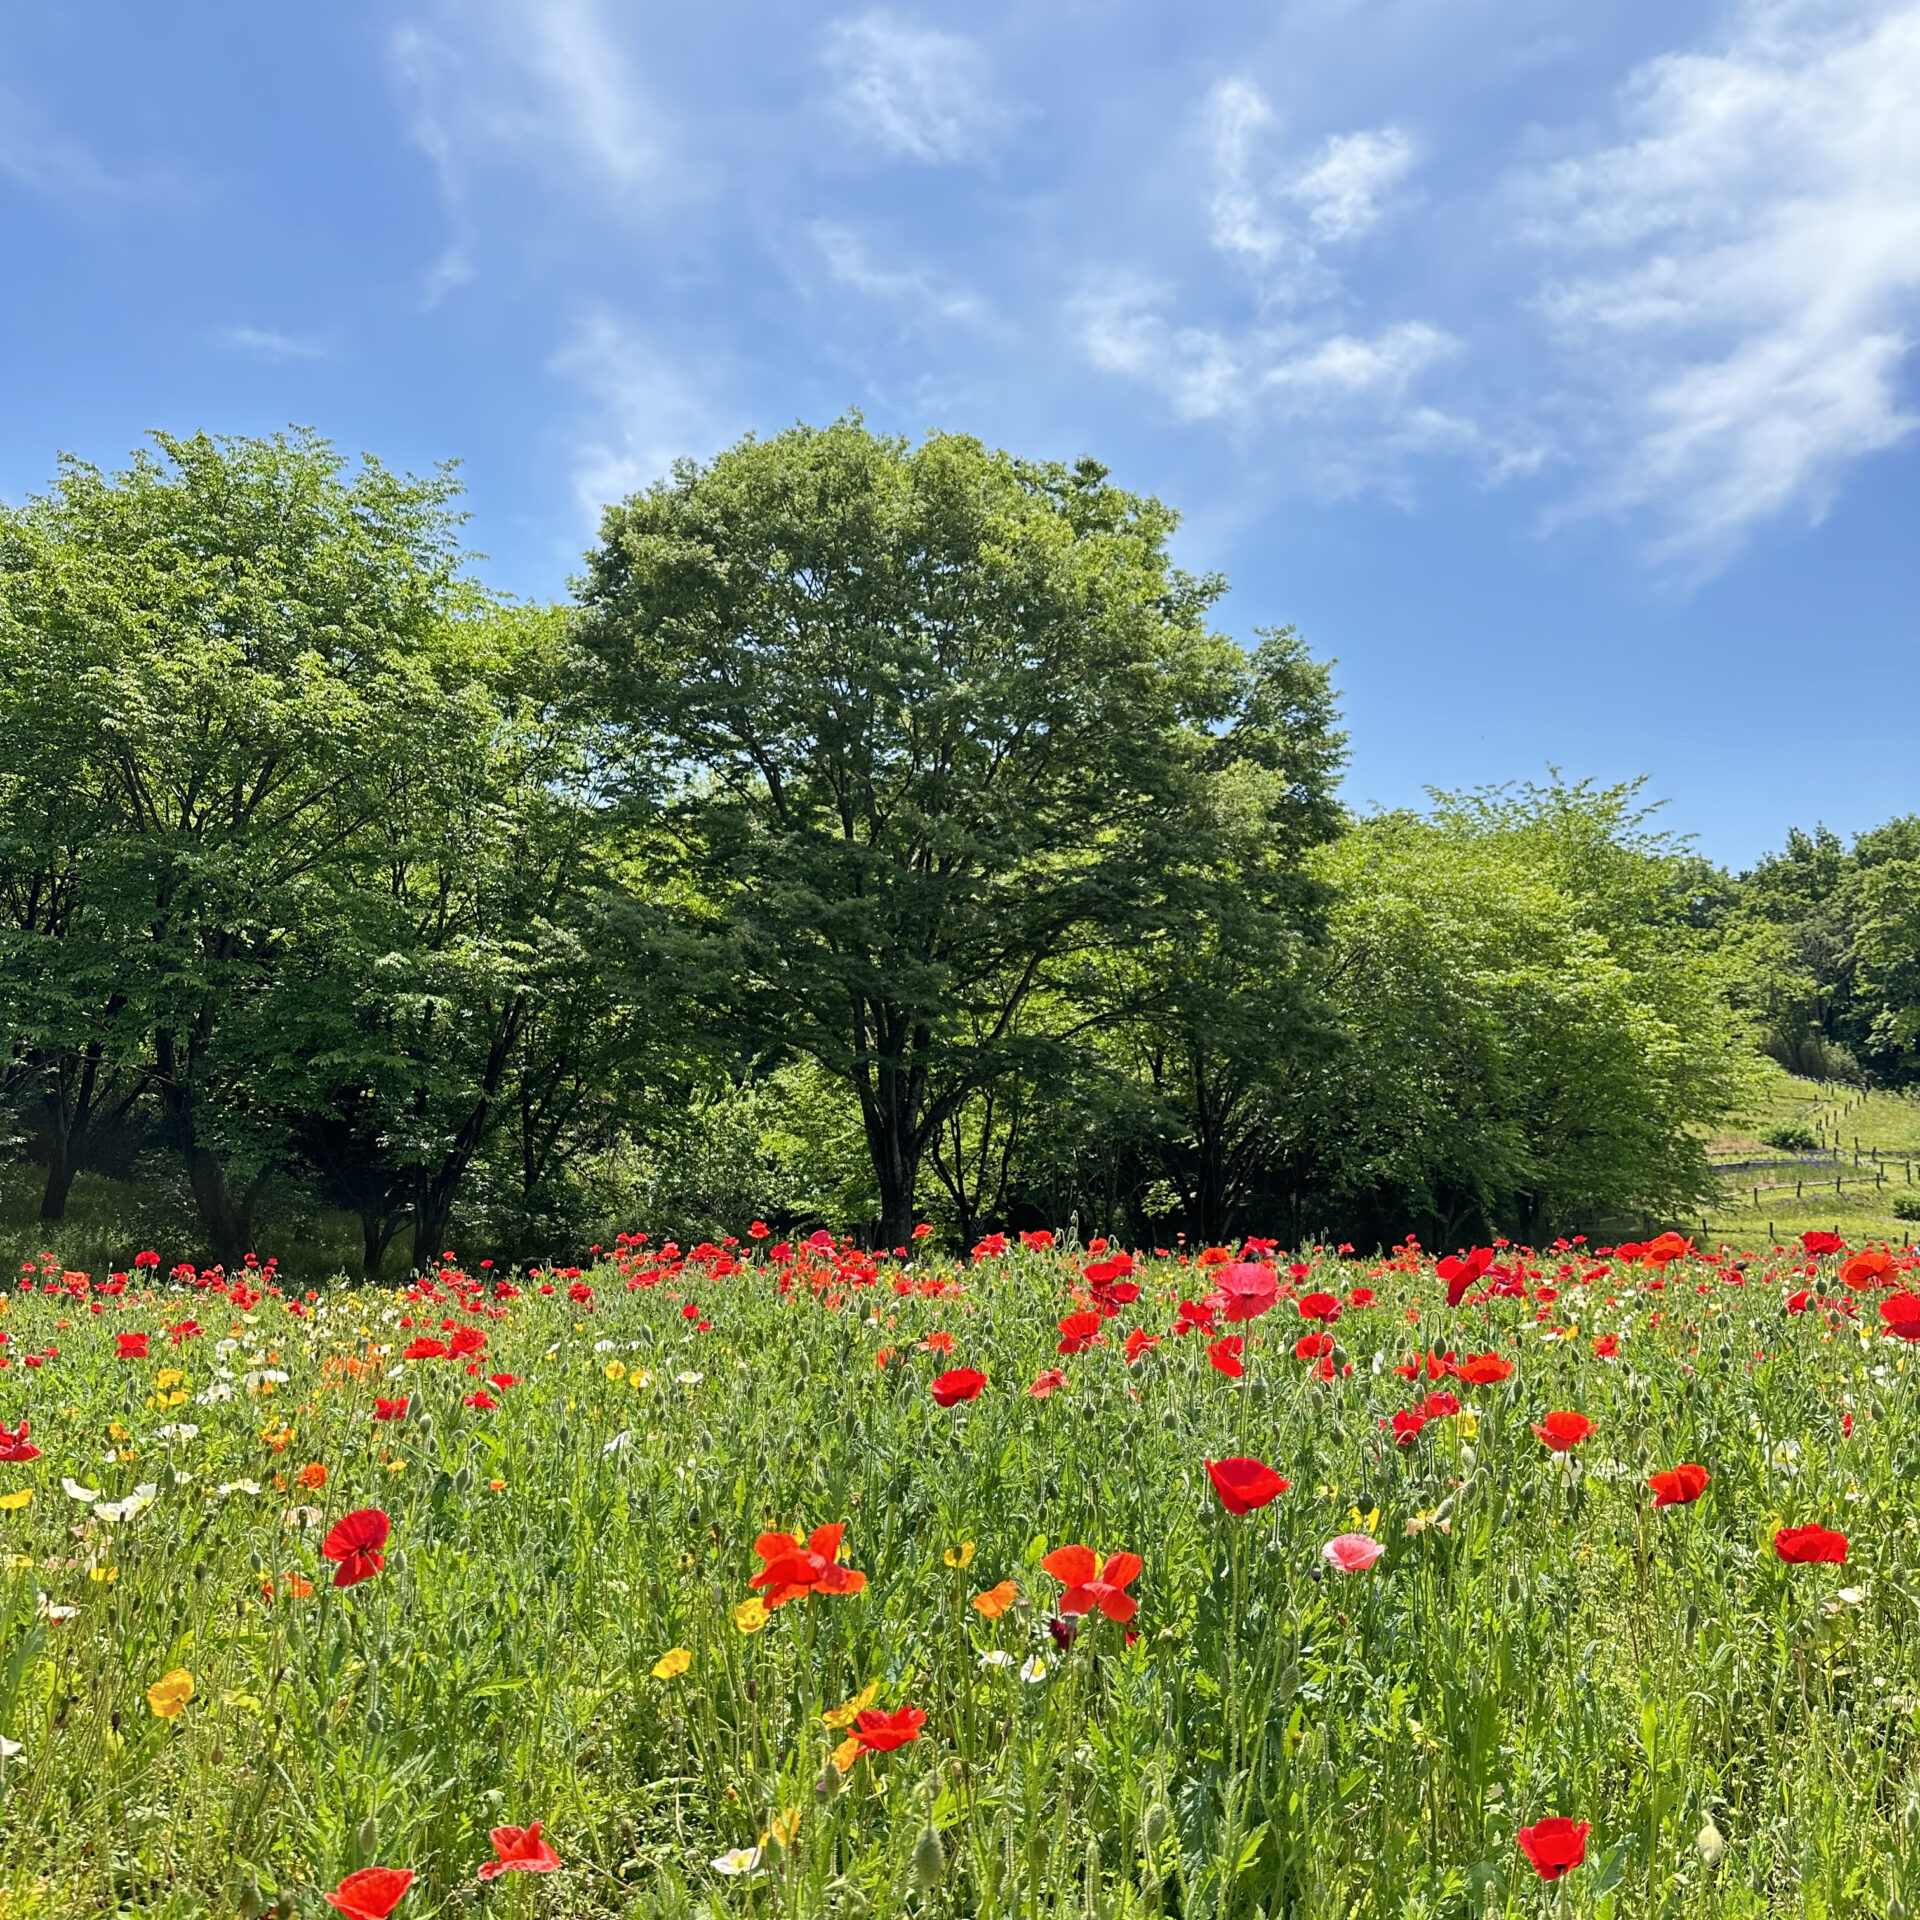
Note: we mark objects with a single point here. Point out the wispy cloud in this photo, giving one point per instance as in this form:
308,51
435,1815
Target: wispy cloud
1281,372
515,80
265,344
1744,265
1278,216
921,293
912,91
36,154
650,407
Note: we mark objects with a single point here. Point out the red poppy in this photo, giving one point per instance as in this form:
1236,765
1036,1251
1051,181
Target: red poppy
1555,1846
1865,1270
390,1409
1313,1346
1460,1272
1047,1383
16,1446
1089,1585
519,1850
466,1340
1244,1484
481,1401
1139,1341
1810,1546
424,1349
1078,1331
882,1732
1799,1301
355,1542
1224,1356
1194,1316
1319,1306
957,1384
1563,1430
1607,1347
1360,1297
1440,1406
1245,1291
372,1893
1901,1312
1407,1425
1678,1486
793,1570
1818,1243
503,1380
133,1346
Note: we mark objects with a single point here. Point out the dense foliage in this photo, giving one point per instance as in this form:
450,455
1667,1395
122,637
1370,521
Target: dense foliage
883,833
792,1579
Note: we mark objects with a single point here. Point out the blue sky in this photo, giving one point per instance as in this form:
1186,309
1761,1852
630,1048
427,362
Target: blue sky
1549,365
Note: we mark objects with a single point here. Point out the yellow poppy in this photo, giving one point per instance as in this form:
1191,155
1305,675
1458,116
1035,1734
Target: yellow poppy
861,1701
960,1556
169,1694
672,1664
750,1615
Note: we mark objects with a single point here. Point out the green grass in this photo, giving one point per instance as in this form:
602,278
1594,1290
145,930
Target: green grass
1841,1116
1280,1738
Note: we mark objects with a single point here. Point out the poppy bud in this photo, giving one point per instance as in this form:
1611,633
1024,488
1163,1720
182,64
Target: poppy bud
929,1860
827,1783
1093,1871
252,1903
371,1720
1287,1685
1153,1826
1513,1587
463,1480
366,1836
1693,1618
1710,1844
255,1562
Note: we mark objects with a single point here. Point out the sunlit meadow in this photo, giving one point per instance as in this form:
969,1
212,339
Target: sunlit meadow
791,1579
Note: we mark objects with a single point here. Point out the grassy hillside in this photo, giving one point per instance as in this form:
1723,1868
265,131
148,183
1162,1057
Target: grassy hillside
1867,1161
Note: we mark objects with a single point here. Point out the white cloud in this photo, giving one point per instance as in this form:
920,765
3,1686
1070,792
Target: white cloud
1285,372
1744,267
35,154
510,79
913,91
924,294
1302,361
651,408
269,345
1341,190
1278,217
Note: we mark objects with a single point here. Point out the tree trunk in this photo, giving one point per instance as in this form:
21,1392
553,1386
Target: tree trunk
433,1208
65,1134
377,1229
62,1165
896,1165
225,1217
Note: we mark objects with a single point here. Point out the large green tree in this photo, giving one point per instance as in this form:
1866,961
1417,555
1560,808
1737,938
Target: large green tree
221,659
934,728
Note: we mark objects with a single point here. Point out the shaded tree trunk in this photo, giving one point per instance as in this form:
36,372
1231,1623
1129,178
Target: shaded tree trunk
226,1217
440,1189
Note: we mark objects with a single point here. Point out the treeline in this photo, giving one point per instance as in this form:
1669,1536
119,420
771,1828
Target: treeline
882,833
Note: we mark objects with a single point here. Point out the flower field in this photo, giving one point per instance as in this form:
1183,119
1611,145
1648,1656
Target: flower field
781,1578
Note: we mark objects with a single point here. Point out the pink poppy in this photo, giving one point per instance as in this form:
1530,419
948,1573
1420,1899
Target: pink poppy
1352,1552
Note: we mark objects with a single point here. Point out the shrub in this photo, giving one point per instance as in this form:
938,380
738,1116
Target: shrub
1792,1138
